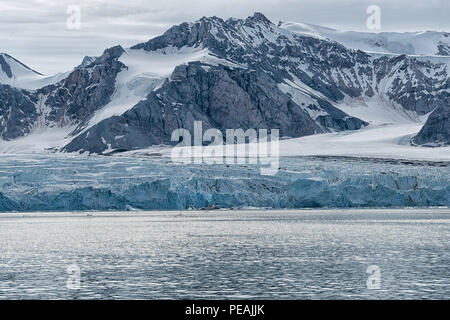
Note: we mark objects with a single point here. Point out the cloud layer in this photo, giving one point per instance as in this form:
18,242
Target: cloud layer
35,31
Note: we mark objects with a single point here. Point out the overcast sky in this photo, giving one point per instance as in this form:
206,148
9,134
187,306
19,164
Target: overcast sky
36,32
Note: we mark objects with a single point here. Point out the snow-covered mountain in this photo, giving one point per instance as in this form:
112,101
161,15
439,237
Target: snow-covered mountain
410,43
14,72
235,73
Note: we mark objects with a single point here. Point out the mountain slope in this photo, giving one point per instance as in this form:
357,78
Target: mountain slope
17,112
436,131
220,97
16,74
13,71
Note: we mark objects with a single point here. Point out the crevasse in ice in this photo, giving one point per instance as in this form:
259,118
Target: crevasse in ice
66,183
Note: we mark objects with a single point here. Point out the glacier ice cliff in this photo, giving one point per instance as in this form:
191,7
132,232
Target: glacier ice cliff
69,183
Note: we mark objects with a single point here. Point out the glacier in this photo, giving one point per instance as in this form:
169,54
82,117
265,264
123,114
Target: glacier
64,182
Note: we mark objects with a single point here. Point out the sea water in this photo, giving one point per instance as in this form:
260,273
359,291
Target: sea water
248,254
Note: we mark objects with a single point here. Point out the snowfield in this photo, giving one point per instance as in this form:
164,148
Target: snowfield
382,141
24,77
411,43
42,141
385,141
388,141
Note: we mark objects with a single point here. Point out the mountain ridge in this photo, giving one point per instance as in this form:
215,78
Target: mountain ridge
410,43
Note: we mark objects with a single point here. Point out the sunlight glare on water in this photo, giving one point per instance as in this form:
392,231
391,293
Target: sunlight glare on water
301,254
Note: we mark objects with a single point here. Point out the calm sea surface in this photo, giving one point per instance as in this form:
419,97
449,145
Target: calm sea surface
306,254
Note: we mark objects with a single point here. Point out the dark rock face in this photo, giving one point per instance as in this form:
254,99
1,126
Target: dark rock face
411,84
444,46
436,131
17,113
87,60
220,97
443,50
85,90
5,67
249,42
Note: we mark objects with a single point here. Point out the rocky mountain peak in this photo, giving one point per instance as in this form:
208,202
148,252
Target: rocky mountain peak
110,54
258,17
87,60
217,35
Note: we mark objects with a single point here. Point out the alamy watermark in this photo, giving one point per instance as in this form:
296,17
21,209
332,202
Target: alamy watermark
74,277
74,20
250,146
374,279
374,20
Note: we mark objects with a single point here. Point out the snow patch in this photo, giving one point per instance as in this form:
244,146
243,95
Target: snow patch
146,71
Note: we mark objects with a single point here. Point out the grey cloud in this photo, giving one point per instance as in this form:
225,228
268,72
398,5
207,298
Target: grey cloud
35,30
